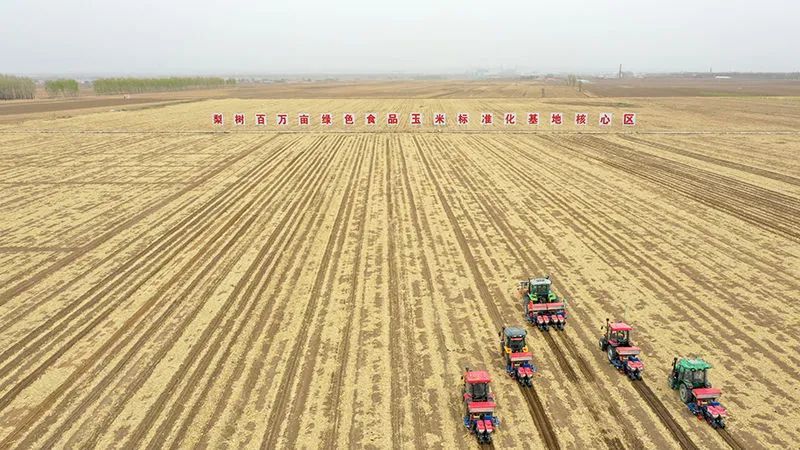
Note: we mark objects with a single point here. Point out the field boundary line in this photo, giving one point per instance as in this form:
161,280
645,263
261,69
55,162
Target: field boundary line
410,131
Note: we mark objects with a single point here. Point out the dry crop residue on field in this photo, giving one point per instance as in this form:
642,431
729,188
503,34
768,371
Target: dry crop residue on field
327,288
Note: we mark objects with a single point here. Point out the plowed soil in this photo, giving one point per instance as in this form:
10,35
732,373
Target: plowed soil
165,284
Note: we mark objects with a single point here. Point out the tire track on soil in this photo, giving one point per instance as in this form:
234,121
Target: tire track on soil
664,282
122,336
421,237
275,244
24,285
726,436
768,210
535,407
515,246
267,312
344,351
655,404
335,240
666,418
191,220
713,160
400,363
79,309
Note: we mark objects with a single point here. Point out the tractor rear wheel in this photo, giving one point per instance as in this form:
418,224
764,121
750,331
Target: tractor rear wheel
686,394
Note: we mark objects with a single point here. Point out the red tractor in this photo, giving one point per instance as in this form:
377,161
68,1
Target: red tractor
519,361
479,403
542,306
621,352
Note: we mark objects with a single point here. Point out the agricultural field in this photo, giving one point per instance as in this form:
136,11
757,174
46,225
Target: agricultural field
167,283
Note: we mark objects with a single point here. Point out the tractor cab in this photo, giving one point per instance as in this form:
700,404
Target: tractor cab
476,386
515,339
687,375
618,333
691,372
519,361
539,289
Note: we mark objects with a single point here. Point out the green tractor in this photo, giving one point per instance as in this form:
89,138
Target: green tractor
689,376
542,306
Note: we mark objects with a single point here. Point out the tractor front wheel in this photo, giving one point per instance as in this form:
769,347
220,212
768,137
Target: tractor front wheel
602,345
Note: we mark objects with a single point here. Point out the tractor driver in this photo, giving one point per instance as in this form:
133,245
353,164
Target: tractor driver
620,337
480,392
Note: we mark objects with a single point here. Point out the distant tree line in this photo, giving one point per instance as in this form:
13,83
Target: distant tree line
66,88
572,80
138,85
13,88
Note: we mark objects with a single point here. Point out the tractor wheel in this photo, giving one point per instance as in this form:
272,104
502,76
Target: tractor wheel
686,394
602,345
612,354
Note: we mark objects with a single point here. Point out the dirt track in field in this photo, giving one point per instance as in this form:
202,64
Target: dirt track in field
327,289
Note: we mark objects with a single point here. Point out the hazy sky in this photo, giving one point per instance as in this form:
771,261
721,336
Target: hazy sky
346,36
